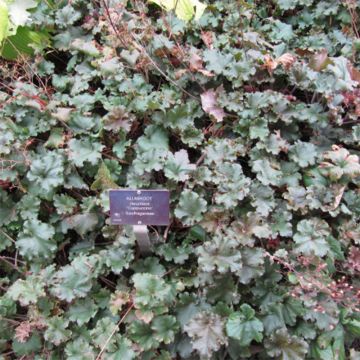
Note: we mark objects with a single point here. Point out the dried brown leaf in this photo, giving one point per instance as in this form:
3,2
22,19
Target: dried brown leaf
354,73
208,38
286,60
180,73
270,64
62,114
353,261
23,332
195,62
338,197
319,61
210,105
196,65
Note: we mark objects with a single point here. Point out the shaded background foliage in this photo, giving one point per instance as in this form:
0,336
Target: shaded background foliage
249,116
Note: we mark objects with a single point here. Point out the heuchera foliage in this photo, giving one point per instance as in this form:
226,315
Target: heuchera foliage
249,116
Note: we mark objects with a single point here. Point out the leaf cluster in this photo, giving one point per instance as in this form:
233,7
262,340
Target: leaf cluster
248,114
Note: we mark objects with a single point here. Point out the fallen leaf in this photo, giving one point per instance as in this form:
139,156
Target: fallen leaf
354,259
270,64
354,73
23,331
207,38
286,60
195,62
303,52
179,73
210,105
338,197
207,73
62,114
319,61
196,65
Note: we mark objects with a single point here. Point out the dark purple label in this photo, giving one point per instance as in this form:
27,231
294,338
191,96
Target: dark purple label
139,207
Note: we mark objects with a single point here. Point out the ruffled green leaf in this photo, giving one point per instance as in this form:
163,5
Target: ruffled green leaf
27,291
190,208
36,240
206,331
47,171
285,346
310,237
220,253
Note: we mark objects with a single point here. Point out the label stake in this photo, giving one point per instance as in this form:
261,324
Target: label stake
142,237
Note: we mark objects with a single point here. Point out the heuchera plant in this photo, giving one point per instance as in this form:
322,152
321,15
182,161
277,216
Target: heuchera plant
248,112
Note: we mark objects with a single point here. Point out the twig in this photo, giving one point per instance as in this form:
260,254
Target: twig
156,232
11,264
201,159
354,18
143,50
108,15
23,58
15,322
7,235
166,232
10,258
108,282
113,332
16,257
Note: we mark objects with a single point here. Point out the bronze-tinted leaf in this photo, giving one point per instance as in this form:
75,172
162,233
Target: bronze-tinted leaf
320,60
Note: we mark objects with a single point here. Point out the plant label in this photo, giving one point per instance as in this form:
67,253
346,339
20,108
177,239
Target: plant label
139,207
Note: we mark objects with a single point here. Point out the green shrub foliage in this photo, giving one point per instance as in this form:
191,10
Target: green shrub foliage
249,116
